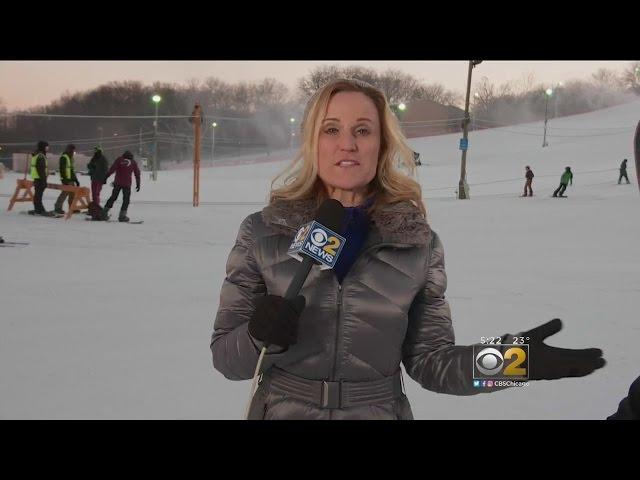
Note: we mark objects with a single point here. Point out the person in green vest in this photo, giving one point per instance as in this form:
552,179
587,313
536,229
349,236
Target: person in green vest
566,179
67,177
39,173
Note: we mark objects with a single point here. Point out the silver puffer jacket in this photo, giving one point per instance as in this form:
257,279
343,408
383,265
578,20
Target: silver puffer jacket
389,309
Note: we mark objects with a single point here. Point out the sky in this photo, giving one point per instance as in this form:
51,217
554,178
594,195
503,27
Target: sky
25,84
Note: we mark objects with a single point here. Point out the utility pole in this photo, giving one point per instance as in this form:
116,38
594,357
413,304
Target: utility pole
463,187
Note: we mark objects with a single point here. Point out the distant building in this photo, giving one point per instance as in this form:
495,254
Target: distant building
423,118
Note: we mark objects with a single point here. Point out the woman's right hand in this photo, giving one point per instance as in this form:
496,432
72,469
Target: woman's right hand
275,320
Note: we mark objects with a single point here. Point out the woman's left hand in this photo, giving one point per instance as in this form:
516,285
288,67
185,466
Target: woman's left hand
550,363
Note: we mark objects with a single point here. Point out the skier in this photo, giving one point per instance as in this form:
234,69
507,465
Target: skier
67,177
623,172
566,179
123,167
416,159
527,186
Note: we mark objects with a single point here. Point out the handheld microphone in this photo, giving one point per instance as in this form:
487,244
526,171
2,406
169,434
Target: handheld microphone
319,241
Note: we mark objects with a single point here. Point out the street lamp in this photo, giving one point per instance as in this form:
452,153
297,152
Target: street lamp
476,96
547,94
156,99
291,121
402,107
463,187
213,137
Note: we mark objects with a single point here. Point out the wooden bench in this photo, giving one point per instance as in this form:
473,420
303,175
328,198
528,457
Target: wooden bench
25,187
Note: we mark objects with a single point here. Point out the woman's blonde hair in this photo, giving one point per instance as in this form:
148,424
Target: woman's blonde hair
390,185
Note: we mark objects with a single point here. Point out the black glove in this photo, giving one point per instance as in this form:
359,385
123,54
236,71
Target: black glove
275,320
137,188
550,363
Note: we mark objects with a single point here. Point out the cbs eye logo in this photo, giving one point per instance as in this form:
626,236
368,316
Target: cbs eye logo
489,362
302,233
328,243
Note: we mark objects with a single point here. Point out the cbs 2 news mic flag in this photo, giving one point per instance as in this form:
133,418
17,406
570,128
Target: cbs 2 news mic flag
318,242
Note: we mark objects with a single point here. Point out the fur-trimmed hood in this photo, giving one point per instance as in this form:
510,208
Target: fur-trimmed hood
399,222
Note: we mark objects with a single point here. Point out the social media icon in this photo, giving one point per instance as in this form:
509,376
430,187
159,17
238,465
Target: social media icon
489,383
476,383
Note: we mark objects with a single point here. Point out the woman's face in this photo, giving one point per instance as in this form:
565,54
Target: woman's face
349,142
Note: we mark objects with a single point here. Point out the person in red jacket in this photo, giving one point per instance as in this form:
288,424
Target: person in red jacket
527,185
123,167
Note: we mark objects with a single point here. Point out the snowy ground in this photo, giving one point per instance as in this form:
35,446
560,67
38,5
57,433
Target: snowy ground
114,321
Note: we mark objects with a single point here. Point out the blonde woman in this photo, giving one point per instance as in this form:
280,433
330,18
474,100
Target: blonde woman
335,351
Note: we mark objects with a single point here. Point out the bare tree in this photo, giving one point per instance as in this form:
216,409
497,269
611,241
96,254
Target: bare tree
631,77
607,78
318,77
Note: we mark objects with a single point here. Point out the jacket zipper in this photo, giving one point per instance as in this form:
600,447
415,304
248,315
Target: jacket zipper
338,336
337,340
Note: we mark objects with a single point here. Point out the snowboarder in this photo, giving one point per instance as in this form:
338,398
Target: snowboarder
123,167
39,173
67,177
566,179
416,159
98,167
623,172
527,186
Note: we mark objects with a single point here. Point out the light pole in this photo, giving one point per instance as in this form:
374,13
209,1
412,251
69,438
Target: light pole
100,129
156,99
547,94
463,187
291,122
213,138
555,100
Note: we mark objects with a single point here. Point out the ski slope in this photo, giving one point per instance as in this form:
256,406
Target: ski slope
106,321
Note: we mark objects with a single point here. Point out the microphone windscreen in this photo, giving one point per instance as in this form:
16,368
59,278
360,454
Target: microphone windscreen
331,215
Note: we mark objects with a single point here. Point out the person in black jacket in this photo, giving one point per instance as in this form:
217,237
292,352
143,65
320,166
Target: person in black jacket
527,186
623,172
98,167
